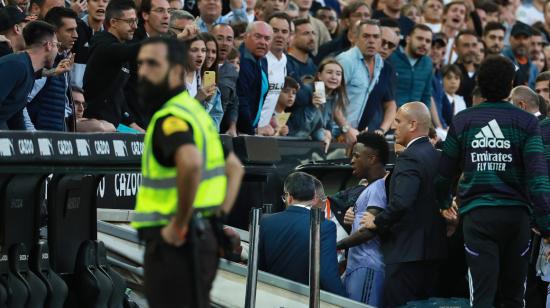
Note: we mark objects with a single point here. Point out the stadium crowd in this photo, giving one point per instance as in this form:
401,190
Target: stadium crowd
349,71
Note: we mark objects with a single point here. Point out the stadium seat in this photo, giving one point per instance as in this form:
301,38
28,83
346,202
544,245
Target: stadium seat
40,265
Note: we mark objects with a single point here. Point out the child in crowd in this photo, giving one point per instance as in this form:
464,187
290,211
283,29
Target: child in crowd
286,100
234,57
451,83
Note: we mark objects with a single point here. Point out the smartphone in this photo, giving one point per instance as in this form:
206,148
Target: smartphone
209,78
320,90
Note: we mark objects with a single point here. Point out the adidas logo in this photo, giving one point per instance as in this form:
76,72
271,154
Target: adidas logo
490,136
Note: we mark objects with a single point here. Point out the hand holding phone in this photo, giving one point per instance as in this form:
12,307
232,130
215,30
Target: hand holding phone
209,78
320,91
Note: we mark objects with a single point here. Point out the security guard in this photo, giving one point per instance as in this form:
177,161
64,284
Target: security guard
186,182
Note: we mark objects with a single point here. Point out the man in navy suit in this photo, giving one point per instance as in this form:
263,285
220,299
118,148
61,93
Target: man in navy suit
284,237
411,228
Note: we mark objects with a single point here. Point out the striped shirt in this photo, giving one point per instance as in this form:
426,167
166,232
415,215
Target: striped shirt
498,149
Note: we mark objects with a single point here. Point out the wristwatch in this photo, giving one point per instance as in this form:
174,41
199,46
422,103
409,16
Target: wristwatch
345,128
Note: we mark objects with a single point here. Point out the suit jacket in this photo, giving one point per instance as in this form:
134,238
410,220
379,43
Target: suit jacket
411,228
284,248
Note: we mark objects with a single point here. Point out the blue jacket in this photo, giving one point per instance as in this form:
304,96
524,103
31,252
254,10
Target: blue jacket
249,89
533,71
284,248
414,83
17,76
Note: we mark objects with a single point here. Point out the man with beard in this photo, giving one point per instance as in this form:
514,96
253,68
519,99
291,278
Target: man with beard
252,85
187,183
414,67
276,61
107,70
87,26
493,36
518,52
17,70
227,78
465,45
50,102
299,64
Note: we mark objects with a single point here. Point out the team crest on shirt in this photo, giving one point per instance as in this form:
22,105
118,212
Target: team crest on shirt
173,125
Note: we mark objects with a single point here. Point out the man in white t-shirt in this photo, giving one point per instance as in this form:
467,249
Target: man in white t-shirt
276,62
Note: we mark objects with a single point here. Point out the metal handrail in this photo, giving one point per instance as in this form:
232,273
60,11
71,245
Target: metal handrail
314,258
252,276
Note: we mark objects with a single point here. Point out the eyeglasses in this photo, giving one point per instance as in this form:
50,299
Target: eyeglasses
129,21
389,44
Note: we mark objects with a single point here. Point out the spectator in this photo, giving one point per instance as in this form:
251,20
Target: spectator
414,67
299,64
546,51
12,22
437,53
539,61
491,10
227,78
392,9
322,120
214,104
108,66
451,83
193,74
234,57
263,9
465,46
411,11
499,150
364,276
530,13
355,11
542,85
211,13
480,52
433,14
17,70
279,5
411,229
369,84
390,41
545,29
50,102
330,18
518,52
276,62
84,125
175,5
179,20
252,85
249,10
493,36
284,240
536,42
285,101
528,100
322,35
239,30
87,27
41,7
454,20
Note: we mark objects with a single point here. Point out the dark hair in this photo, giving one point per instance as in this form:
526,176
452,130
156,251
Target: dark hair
189,42
56,14
37,32
352,7
326,8
239,28
291,83
495,77
421,27
233,53
535,32
451,69
300,21
77,89
39,3
281,15
207,37
488,7
492,26
377,143
465,32
544,76
448,6
145,6
116,7
300,186
388,22
543,105
176,50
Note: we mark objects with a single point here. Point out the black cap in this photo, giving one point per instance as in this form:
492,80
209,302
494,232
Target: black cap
10,16
521,29
440,38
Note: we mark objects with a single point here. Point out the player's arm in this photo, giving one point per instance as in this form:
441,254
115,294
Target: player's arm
360,236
